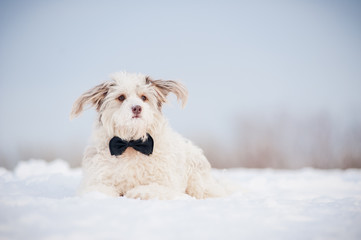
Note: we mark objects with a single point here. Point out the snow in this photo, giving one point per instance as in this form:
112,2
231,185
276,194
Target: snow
38,201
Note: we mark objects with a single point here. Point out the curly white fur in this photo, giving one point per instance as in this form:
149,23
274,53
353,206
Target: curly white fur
175,169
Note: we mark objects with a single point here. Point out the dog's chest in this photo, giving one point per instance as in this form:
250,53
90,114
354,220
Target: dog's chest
134,169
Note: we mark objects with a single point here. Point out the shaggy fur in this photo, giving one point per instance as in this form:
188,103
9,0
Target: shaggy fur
175,169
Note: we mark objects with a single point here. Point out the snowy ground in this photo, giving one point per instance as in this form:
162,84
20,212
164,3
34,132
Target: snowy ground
37,201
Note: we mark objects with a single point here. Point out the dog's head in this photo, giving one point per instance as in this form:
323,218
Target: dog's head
129,105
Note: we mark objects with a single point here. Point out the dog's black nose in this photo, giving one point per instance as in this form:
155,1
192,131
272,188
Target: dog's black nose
137,109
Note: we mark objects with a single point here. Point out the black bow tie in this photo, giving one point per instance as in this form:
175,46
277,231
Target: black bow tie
117,145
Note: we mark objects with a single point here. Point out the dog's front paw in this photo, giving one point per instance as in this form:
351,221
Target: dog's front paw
136,194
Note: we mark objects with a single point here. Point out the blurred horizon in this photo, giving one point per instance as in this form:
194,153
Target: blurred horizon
271,84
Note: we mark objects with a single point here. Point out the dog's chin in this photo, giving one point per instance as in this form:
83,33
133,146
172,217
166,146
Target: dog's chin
134,128
136,120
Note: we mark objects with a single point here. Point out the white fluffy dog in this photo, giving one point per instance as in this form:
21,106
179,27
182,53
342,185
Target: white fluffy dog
134,152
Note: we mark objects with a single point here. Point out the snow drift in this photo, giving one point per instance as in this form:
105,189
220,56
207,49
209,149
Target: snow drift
38,201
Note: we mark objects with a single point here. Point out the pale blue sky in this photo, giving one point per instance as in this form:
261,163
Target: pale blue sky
237,58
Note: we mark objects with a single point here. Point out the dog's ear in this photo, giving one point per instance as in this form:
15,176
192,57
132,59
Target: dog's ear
163,88
94,97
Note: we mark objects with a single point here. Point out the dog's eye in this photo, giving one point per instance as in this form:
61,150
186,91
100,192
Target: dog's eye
144,98
121,98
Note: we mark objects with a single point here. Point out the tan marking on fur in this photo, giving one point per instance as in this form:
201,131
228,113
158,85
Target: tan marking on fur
147,80
164,87
94,97
130,152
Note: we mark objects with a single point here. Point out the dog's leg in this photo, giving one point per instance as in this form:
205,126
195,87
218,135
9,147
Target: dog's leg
201,183
97,177
155,191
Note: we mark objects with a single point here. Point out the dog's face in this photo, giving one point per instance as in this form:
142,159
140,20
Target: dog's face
129,105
